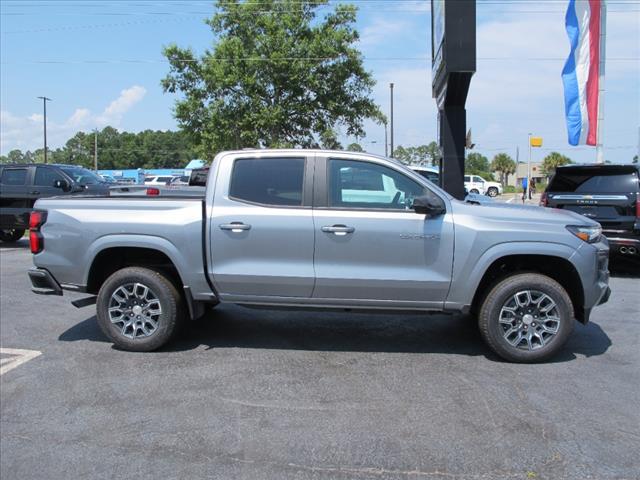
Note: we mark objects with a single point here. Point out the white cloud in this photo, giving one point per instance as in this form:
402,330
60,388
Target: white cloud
380,30
116,109
25,132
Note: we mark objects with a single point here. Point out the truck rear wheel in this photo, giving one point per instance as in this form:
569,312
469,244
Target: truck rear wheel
139,309
11,234
526,318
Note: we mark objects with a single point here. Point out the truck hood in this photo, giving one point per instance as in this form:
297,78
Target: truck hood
529,214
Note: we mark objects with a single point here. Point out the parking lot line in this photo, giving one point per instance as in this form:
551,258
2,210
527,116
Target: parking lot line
16,358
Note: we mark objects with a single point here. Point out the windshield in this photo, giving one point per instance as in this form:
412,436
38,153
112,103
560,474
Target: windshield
82,176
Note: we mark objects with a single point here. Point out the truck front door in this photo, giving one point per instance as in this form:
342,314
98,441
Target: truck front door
371,247
262,227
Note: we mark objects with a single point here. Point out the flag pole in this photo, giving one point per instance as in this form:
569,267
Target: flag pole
603,38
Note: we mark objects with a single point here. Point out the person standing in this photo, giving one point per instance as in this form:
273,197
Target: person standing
524,188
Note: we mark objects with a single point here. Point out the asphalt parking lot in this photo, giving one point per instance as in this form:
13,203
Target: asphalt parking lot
250,394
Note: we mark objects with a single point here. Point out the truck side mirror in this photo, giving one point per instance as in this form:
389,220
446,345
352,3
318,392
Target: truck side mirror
430,205
62,184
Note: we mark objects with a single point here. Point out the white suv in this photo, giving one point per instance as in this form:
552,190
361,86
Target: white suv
477,184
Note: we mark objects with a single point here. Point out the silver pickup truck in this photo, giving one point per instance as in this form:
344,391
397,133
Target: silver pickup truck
322,229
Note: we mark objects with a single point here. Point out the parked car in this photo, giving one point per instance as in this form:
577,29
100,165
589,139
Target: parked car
322,229
127,181
179,180
22,184
474,184
108,179
477,184
430,173
158,180
608,194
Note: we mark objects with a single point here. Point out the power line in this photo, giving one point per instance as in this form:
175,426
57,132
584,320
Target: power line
284,59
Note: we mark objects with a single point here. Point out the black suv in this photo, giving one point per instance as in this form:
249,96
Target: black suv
22,184
608,194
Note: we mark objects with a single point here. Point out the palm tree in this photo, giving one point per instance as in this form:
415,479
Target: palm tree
553,161
504,164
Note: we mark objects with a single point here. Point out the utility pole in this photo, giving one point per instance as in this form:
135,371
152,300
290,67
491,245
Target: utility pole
391,88
44,103
95,149
386,142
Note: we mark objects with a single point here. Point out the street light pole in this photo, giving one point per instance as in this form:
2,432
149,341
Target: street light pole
95,149
44,103
391,88
386,142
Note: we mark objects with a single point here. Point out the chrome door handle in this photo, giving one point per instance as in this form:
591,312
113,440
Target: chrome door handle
338,229
235,226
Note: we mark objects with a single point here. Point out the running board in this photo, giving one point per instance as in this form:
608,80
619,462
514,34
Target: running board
85,302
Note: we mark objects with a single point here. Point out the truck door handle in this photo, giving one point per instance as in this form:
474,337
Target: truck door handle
35,192
338,229
235,226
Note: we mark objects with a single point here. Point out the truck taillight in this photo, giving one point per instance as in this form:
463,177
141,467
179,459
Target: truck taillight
36,240
153,191
638,206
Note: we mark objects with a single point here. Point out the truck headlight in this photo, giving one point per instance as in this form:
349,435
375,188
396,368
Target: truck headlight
587,233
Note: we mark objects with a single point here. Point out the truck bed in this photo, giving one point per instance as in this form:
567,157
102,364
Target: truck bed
77,230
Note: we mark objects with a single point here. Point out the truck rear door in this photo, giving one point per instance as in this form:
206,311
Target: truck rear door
262,235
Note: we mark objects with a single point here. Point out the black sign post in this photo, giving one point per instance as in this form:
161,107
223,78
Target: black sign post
453,53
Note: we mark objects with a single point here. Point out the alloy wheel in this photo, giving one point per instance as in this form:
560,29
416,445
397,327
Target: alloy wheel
135,310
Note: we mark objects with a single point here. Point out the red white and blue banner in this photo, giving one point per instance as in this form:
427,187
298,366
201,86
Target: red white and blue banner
581,73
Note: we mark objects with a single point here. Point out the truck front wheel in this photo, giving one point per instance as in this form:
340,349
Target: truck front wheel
139,309
526,318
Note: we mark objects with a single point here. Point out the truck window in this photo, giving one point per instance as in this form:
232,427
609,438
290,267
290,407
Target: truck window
46,177
385,188
268,181
14,176
592,180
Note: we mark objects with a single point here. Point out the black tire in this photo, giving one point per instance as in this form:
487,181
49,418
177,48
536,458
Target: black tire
475,190
11,235
167,323
492,192
493,331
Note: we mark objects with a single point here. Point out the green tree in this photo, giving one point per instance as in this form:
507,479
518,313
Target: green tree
635,159
553,161
355,147
420,155
504,164
16,156
476,163
278,75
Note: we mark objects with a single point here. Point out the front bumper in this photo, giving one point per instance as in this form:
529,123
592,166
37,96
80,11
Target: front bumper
43,283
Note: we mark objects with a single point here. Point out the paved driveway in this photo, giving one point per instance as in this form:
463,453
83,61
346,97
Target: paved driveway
250,394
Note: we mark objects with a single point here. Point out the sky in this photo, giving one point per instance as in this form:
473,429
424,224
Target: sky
100,62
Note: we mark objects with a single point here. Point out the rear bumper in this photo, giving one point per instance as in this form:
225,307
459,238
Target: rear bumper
11,217
43,283
623,242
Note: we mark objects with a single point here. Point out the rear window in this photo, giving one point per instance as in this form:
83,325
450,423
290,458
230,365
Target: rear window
14,176
585,181
269,181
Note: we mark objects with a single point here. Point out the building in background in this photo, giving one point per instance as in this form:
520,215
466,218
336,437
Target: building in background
537,174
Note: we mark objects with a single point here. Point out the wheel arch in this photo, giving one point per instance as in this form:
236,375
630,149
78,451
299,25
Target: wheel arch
114,255
558,268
